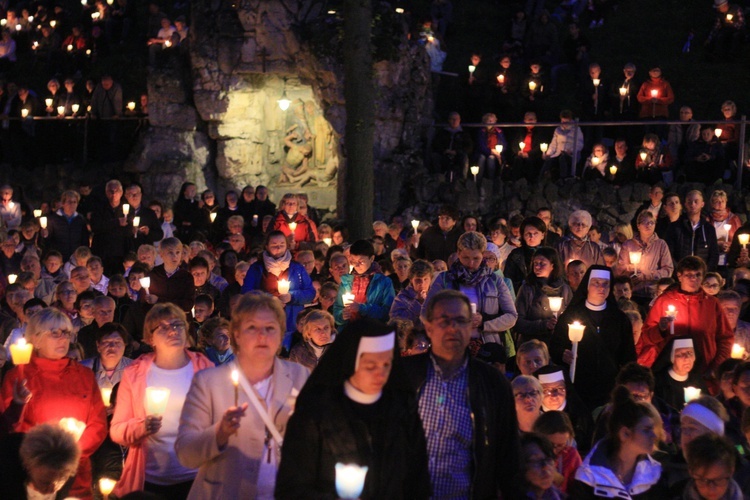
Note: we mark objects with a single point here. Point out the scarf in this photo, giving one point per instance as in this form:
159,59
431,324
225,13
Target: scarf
463,276
277,266
720,215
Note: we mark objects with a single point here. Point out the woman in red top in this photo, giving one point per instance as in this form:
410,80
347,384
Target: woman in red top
303,229
61,388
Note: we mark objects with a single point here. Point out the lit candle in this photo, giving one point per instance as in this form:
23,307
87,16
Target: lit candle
613,169
327,241
125,209
718,132
136,221
521,145
623,91
596,82
145,283
532,86
48,101
399,10
543,147
31,19
212,216
743,239
61,110
75,107
156,400
37,213
654,94
415,225
691,393
106,486
575,334
292,226
643,155
283,287
95,15
192,311
70,48
727,227
729,18
255,220
43,222
350,480
18,27
236,383
474,171
635,258
20,352
430,38
347,299
131,106
498,148
35,46
24,113
12,278
52,23
473,307
74,426
106,395
671,314
3,22
501,79
472,69
738,352
555,304
595,160
88,53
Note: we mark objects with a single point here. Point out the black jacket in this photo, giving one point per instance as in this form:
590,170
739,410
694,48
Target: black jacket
435,244
328,428
683,241
110,238
148,219
65,236
496,448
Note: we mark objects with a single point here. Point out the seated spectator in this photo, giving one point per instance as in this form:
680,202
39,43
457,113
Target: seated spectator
453,145
653,163
566,143
597,163
489,152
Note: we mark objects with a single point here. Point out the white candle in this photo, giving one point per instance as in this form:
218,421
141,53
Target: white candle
672,314
37,213
350,480
613,169
48,102
24,113
75,107
415,225
283,287
472,69
131,106
575,334
555,304
474,171
654,94
145,283
106,486
635,257
12,278
543,147
74,426
744,239
738,352
61,110
327,241
595,160
236,384
20,352
532,86
255,220
156,400
521,145
498,148
106,395
623,91
125,209
213,216
136,221
691,393
473,308
43,222
596,82
718,132
347,299
292,226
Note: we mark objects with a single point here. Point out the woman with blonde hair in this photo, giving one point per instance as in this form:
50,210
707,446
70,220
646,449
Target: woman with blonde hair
60,388
318,333
152,464
232,433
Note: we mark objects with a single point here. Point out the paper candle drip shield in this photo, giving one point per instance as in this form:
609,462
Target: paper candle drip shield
350,480
20,352
74,426
156,400
555,304
283,286
106,395
738,352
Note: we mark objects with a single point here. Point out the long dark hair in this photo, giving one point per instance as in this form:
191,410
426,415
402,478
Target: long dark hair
551,255
626,412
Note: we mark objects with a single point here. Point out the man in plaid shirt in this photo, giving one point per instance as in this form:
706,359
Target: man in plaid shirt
466,406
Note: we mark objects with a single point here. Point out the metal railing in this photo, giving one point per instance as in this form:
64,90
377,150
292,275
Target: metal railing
741,135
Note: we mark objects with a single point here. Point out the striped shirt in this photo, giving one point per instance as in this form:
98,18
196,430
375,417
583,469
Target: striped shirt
448,424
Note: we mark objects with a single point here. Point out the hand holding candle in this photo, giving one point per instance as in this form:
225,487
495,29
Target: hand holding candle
555,304
145,283
283,286
156,400
738,352
691,393
236,383
635,258
671,314
575,334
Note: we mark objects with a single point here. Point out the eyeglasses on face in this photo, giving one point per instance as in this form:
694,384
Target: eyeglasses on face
685,355
446,322
560,391
60,334
167,328
526,395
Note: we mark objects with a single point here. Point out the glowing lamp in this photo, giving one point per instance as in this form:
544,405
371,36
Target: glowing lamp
718,132
61,110
613,169
738,352
48,102
743,239
125,209
543,147
555,304
106,486
347,299
327,241
37,213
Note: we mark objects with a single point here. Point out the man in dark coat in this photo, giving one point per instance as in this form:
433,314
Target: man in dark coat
112,230
149,229
66,229
439,242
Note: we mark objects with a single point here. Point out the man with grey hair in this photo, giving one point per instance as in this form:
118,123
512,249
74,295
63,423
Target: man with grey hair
576,245
111,229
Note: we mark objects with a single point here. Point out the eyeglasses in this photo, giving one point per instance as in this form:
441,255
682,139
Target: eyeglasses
114,344
167,328
60,334
555,392
526,395
648,223
541,463
719,482
459,322
685,355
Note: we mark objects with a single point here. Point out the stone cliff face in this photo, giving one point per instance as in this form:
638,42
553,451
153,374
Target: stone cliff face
216,121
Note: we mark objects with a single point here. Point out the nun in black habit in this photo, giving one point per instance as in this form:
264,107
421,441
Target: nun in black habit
607,343
356,409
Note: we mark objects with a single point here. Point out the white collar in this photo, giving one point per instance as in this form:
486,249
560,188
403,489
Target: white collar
592,307
675,376
358,396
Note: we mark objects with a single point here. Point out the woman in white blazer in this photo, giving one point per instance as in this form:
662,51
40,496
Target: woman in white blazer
232,432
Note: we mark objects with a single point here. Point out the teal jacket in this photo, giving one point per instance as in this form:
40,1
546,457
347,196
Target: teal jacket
380,295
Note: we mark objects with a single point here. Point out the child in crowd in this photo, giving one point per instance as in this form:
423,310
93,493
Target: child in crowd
52,267
557,427
538,468
118,290
711,461
214,335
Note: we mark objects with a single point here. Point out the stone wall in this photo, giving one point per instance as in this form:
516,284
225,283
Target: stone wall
215,119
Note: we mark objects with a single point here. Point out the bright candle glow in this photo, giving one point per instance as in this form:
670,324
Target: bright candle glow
283,287
350,480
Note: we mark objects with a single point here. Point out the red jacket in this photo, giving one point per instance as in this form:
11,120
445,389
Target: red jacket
665,97
699,316
62,388
305,230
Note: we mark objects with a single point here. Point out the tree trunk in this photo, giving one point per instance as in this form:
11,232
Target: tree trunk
360,118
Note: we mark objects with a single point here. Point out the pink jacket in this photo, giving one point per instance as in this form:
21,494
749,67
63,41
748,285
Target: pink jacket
128,427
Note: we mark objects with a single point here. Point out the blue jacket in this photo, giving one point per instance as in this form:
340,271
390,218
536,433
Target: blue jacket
380,295
300,288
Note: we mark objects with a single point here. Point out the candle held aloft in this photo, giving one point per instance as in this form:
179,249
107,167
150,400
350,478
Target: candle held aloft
20,352
156,400
283,287
236,383
738,352
350,480
691,393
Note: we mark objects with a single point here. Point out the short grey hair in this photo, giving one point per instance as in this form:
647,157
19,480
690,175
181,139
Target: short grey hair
581,215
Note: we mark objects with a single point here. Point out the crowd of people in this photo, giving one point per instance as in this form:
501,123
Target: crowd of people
248,350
